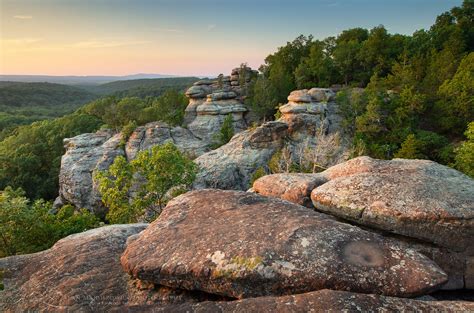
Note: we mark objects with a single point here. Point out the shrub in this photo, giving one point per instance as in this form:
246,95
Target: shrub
144,185
260,172
30,227
464,159
225,134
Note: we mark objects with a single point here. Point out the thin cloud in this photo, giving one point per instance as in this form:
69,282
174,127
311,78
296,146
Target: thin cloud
23,17
106,44
211,27
21,41
170,30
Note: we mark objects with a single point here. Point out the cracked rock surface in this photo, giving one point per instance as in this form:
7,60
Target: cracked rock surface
317,301
242,245
82,273
416,198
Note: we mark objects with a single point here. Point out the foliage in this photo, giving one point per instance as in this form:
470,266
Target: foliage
118,113
456,104
24,103
142,88
410,149
30,157
144,185
226,132
464,159
169,108
419,89
259,172
29,227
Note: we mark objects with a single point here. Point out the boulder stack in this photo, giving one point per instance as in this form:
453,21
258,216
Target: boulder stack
247,245
419,203
233,251
307,109
211,114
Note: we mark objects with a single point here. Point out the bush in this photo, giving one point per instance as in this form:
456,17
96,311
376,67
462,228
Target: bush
30,227
225,134
260,172
144,185
464,159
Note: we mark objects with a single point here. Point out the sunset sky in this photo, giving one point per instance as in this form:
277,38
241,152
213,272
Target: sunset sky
181,37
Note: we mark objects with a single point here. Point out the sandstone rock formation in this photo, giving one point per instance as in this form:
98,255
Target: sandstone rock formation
210,114
84,154
210,101
317,301
307,137
241,245
81,272
294,187
307,109
418,199
158,133
232,165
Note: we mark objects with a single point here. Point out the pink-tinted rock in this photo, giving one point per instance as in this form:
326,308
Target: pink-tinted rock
415,198
294,187
317,301
242,245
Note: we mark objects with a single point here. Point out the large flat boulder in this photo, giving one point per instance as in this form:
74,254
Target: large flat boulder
416,198
81,273
241,245
317,301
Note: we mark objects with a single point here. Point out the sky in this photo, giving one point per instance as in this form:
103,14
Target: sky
181,37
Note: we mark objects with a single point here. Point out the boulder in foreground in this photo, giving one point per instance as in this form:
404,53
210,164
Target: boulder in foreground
82,273
243,245
317,301
416,198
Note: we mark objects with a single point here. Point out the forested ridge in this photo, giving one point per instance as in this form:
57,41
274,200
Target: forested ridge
419,90
24,103
400,96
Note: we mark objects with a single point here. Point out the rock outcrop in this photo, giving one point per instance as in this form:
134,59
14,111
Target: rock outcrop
81,272
84,154
317,301
307,137
307,109
232,165
211,247
247,245
430,205
416,198
210,102
210,114
158,133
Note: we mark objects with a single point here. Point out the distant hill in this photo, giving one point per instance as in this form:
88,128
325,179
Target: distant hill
142,87
16,96
77,80
22,103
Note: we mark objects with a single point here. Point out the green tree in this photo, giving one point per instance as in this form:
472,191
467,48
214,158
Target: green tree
30,157
464,158
29,227
317,69
456,105
262,98
144,185
169,108
226,132
411,149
